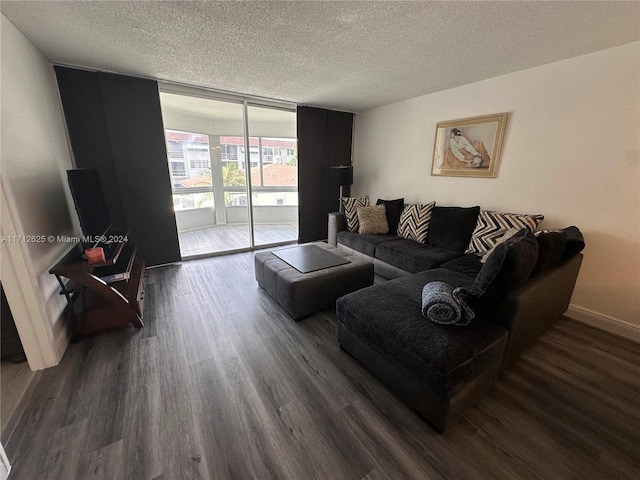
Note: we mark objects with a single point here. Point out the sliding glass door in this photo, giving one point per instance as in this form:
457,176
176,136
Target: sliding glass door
274,174
228,197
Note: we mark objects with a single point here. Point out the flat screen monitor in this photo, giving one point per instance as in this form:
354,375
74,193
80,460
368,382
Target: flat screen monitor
89,201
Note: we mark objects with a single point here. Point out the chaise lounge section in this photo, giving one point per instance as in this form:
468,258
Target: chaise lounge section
439,370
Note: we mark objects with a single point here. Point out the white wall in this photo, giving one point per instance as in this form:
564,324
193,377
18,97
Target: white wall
571,151
34,159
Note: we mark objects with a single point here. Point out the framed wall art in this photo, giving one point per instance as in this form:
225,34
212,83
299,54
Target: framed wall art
469,147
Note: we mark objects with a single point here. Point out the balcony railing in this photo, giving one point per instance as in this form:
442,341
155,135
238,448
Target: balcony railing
271,205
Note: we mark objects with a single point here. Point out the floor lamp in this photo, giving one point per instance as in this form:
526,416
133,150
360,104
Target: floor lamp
341,176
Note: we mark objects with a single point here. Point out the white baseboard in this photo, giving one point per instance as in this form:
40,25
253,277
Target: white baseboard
604,322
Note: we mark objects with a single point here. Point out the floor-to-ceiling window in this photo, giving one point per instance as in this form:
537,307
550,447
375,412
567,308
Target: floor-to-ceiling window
226,196
274,174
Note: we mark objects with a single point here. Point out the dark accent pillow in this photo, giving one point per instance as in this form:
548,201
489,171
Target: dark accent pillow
510,264
451,227
575,243
551,244
394,210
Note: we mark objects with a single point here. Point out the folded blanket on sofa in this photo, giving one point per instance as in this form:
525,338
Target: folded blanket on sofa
443,304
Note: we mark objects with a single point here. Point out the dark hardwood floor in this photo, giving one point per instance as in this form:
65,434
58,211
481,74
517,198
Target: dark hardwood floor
222,384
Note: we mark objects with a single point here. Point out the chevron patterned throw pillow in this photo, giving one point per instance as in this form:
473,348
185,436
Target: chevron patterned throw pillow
414,222
493,225
351,211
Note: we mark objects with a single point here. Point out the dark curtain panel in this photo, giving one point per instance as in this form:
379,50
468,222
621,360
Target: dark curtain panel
115,124
324,140
88,132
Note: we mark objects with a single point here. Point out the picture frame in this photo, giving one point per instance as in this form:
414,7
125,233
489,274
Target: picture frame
469,147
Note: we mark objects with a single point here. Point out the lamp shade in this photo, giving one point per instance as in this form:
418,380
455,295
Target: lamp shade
340,176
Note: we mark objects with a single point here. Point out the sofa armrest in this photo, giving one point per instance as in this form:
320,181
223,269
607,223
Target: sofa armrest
337,223
529,311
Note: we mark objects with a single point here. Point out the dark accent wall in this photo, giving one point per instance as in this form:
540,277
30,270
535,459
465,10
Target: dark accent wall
324,140
115,124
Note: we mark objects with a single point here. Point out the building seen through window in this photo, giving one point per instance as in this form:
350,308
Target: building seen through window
273,163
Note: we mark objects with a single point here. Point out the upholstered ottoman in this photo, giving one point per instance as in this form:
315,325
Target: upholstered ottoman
302,294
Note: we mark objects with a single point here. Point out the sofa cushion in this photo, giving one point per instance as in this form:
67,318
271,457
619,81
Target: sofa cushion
551,245
414,221
363,243
351,205
493,225
413,284
451,227
393,210
372,220
510,264
388,317
413,256
575,243
469,265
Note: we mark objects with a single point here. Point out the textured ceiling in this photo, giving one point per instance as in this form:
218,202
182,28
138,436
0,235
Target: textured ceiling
344,55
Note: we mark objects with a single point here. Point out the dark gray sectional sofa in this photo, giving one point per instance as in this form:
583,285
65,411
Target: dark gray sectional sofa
441,370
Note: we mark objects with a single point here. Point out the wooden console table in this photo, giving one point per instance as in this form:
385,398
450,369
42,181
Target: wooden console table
111,293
